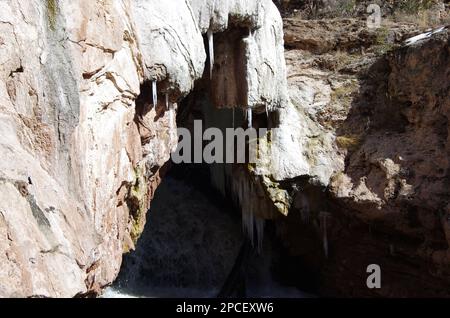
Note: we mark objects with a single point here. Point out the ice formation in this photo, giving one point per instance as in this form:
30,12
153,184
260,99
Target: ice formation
305,208
250,117
423,36
254,228
155,93
167,101
252,225
210,36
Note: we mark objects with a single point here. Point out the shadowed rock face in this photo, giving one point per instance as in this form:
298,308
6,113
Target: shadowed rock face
375,126
82,144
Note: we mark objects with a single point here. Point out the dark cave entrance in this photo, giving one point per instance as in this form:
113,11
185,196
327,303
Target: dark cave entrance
194,241
194,233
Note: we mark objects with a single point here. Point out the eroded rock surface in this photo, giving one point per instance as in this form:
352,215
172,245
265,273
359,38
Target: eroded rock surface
374,149
82,144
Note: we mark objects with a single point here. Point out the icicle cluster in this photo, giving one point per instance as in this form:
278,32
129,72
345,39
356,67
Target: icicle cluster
252,225
305,209
254,228
210,36
155,94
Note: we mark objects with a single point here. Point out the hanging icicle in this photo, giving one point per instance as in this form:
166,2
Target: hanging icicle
210,36
155,93
267,111
250,117
323,217
252,225
167,101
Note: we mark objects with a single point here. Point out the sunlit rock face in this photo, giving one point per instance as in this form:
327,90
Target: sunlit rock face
82,142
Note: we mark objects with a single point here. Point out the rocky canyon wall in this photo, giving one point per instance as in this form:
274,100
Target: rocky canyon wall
85,133
372,123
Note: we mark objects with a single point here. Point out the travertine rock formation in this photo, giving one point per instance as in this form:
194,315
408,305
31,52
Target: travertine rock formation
82,144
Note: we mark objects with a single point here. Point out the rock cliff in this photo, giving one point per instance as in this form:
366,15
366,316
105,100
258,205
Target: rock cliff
374,136
85,129
353,170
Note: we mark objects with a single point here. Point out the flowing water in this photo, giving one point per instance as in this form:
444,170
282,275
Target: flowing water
189,246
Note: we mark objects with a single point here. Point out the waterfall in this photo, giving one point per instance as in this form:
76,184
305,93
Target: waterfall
210,36
155,94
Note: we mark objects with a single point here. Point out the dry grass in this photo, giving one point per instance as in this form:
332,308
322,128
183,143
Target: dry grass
350,142
414,6
423,13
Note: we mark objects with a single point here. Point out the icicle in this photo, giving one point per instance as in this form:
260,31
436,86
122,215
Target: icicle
250,117
253,226
254,229
155,94
325,234
259,233
267,110
305,209
167,101
210,36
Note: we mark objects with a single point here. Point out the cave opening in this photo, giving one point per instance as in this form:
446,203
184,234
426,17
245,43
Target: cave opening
201,238
194,234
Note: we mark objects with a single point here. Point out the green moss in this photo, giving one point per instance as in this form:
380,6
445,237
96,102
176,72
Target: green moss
137,203
52,13
347,6
280,197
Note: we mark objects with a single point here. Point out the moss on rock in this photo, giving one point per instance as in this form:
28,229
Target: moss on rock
137,201
52,13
